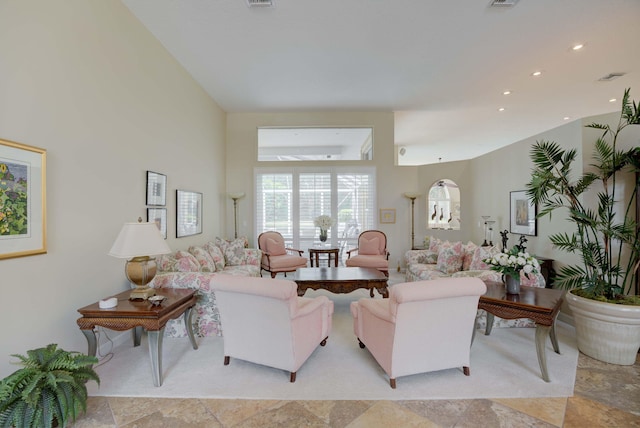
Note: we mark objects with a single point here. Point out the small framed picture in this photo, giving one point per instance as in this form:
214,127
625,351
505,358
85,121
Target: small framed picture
159,217
523,214
156,189
188,213
387,215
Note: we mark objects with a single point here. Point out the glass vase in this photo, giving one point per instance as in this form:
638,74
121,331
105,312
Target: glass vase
512,283
323,235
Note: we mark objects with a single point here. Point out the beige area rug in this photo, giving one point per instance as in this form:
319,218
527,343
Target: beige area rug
503,365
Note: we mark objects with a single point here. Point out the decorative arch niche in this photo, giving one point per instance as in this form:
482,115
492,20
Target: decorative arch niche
443,207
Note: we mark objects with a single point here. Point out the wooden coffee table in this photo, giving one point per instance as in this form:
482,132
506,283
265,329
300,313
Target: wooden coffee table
139,314
538,304
341,279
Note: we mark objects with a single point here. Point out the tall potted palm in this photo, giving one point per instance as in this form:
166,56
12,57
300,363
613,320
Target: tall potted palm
605,237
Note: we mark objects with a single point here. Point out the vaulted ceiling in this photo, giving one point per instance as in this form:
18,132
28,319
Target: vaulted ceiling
441,66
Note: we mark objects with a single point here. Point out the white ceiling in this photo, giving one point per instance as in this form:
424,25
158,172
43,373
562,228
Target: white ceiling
441,66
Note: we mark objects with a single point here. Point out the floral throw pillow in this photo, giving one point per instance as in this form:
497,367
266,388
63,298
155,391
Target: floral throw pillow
233,251
450,258
480,254
167,263
469,250
216,254
204,259
187,262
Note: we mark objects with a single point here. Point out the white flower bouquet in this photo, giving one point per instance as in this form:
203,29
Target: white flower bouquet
324,222
514,261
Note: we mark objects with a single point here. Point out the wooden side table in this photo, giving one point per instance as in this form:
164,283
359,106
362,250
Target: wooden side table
315,253
139,314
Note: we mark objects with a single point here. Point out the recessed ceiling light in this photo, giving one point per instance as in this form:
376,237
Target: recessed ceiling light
613,100
577,47
501,109
536,73
506,93
566,118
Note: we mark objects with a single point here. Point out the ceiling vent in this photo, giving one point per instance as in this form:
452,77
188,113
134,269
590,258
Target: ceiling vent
611,76
260,3
503,3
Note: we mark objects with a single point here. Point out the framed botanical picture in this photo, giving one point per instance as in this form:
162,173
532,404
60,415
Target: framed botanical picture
156,189
188,213
523,214
387,215
23,230
159,217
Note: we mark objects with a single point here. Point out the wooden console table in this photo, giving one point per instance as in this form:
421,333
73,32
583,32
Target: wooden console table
314,254
139,314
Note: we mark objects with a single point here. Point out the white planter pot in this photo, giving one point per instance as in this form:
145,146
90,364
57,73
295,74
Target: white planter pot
606,331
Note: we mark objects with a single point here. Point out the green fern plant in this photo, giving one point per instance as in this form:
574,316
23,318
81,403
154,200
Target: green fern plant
608,244
50,386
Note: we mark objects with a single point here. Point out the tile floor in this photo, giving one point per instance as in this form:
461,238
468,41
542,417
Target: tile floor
605,395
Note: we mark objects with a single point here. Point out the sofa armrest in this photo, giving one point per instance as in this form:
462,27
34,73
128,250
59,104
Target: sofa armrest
378,308
307,305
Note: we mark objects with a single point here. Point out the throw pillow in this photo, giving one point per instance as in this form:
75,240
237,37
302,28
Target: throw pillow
186,262
369,247
216,254
450,258
167,263
434,244
204,259
275,248
469,250
233,251
480,254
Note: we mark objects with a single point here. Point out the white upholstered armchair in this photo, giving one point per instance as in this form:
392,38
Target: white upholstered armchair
265,322
423,326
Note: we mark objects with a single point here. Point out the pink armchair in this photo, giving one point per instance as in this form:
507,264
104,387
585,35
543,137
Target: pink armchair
265,322
371,252
276,257
423,326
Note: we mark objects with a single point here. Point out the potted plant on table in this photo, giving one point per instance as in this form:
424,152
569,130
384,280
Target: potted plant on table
605,237
510,264
324,222
49,389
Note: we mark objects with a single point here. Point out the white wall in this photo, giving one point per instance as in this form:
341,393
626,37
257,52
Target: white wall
87,82
392,181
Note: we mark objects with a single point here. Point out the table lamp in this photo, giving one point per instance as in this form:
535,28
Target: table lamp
235,196
138,242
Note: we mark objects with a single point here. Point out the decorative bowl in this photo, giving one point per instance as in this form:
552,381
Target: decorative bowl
156,300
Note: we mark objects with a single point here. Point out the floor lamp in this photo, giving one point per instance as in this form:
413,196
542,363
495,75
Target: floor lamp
235,196
412,196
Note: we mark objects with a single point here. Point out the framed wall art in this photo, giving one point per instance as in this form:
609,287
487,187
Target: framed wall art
387,215
188,213
523,214
159,217
156,189
23,230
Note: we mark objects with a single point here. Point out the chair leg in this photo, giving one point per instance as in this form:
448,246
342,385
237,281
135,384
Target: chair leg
392,382
324,341
226,360
466,371
360,343
292,378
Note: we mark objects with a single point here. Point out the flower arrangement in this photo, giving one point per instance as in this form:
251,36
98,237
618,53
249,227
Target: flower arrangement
513,261
324,222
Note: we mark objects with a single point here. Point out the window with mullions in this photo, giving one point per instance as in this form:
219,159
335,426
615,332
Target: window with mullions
288,201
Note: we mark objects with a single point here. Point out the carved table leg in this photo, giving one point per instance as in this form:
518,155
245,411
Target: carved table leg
155,352
188,323
91,341
542,332
554,339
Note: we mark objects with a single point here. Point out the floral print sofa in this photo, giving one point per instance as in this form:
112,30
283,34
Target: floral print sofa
194,268
442,259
